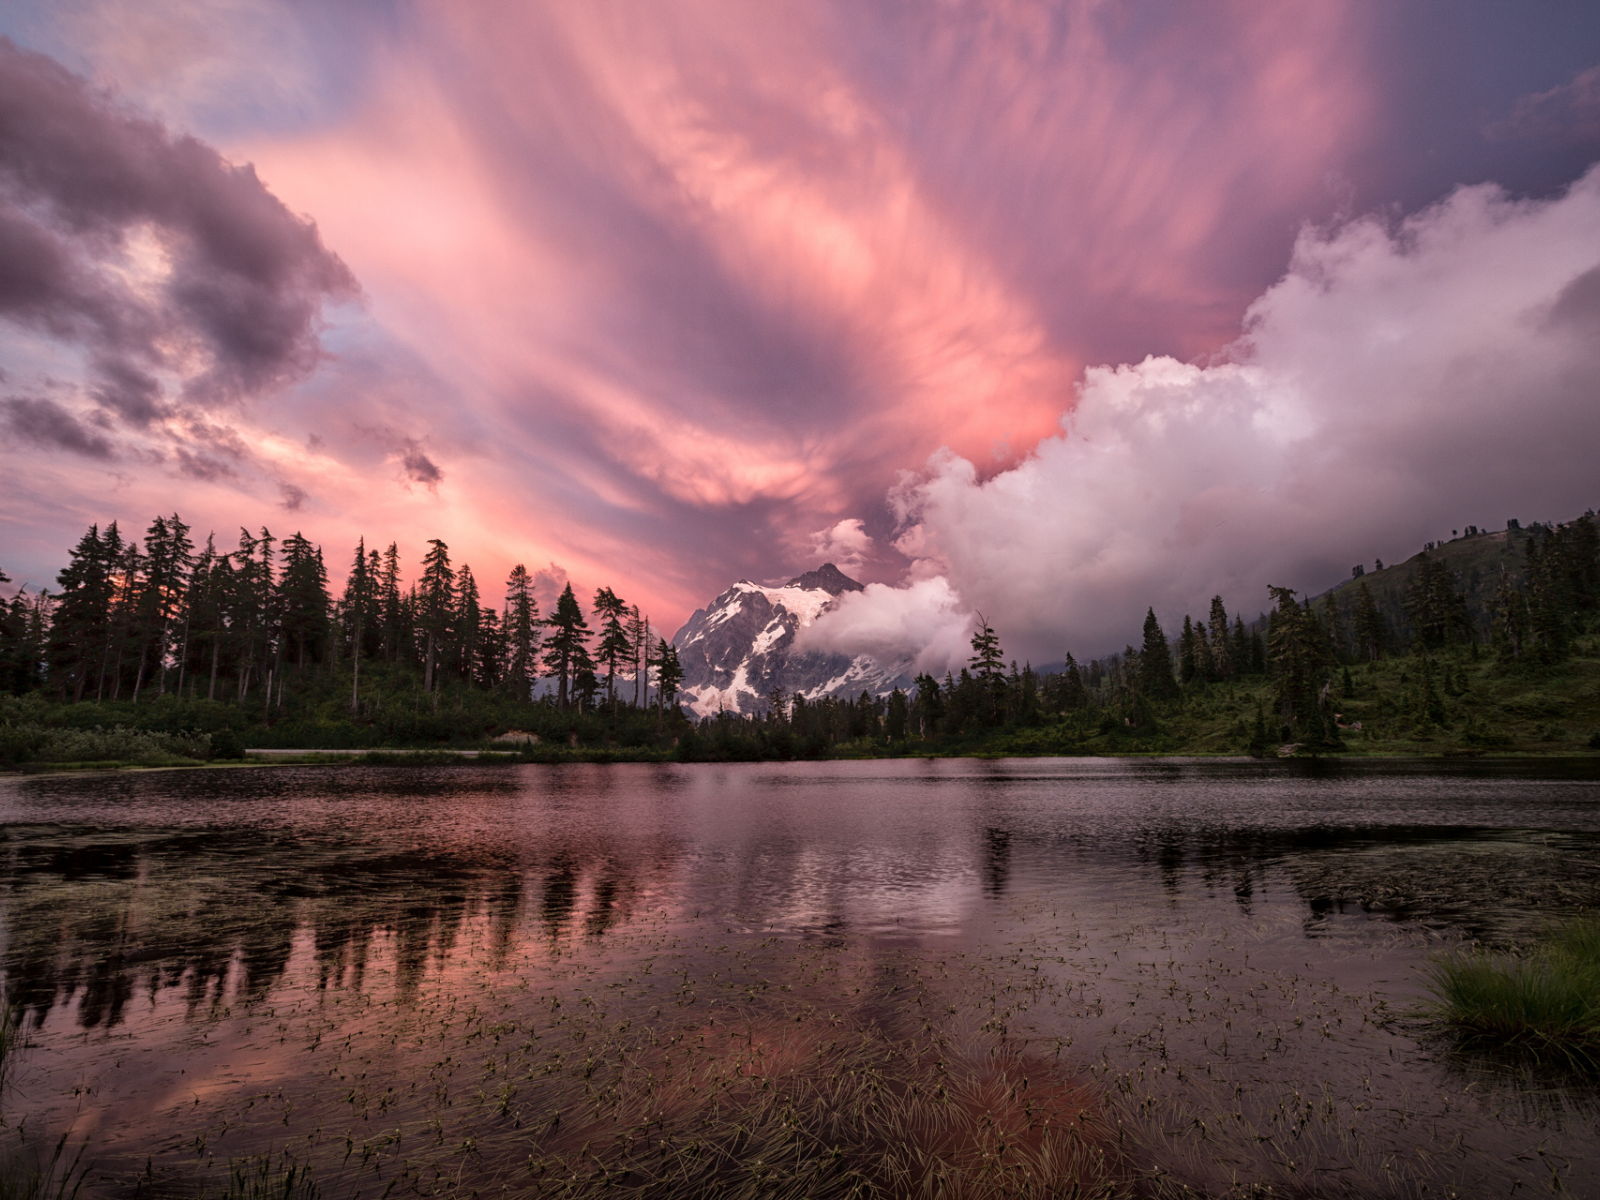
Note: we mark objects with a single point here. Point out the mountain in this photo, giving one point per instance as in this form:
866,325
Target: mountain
737,649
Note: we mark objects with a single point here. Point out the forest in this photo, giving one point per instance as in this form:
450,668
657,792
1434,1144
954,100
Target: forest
162,652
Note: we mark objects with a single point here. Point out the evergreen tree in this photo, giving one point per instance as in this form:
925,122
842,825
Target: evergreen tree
1370,634
566,649
303,598
522,626
1155,662
989,662
251,607
1221,650
1298,656
361,613
393,603
928,707
1205,662
669,674
1239,650
492,650
639,639
1437,609
82,615
897,717
469,623
1334,627
615,645
435,601
1073,694
1188,653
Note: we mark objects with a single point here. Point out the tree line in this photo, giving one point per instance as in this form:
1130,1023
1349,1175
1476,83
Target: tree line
132,621
1298,654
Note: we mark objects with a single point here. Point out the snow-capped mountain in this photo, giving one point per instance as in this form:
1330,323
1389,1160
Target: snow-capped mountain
736,650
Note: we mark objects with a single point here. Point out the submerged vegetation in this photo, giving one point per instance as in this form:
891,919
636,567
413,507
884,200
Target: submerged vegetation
161,655
1546,1002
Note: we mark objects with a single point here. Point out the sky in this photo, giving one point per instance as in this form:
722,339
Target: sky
1052,311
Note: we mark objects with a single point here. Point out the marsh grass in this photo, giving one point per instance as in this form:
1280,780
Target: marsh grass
806,1110
57,1179
269,1177
1546,1002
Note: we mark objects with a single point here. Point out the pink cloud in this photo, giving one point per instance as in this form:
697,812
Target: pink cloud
658,291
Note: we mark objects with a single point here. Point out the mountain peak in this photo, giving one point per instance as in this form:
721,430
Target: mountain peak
828,578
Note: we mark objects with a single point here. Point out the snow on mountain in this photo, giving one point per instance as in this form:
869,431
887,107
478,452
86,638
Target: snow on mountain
736,650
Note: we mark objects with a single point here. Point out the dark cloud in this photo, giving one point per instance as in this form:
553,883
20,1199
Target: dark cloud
1569,113
45,423
419,467
148,250
204,467
293,498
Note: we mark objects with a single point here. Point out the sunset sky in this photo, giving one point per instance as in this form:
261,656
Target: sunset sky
1054,310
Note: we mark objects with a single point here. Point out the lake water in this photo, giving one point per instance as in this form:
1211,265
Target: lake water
667,978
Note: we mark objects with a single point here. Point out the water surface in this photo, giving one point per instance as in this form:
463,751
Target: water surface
402,974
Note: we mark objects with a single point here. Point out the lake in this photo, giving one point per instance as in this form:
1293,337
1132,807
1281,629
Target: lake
796,979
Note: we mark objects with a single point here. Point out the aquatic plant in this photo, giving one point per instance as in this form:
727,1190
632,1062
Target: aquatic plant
1547,1001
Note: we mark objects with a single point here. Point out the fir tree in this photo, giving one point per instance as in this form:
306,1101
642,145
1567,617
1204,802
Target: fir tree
989,662
566,649
469,623
1298,655
522,625
1370,634
1221,649
615,646
1155,662
303,597
435,602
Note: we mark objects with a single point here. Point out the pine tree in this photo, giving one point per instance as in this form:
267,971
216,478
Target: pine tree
469,624
1155,662
1239,650
1205,660
1437,609
566,650
615,645
1221,651
1188,655
303,598
392,603
522,625
492,648
1370,633
669,674
989,662
1073,694
639,639
82,616
1298,655
360,611
435,602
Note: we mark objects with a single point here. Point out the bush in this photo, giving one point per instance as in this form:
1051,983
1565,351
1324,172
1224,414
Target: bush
35,743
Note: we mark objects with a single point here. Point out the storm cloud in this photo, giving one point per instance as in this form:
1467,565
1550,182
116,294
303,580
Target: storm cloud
182,282
1400,381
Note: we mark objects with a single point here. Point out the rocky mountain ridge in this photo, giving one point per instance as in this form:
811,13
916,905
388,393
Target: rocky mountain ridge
739,649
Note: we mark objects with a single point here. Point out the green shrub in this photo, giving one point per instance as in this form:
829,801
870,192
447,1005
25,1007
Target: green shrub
117,744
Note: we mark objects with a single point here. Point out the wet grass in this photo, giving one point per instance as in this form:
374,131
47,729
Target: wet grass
1546,1002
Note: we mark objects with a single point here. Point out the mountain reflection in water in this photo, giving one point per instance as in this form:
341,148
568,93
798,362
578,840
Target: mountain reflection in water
213,895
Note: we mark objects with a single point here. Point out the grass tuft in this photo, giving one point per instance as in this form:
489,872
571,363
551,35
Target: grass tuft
1547,1001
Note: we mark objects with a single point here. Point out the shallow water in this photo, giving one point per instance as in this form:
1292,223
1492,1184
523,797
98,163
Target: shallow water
402,975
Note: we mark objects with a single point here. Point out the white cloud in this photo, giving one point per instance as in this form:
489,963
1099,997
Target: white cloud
925,622
1398,382
846,545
